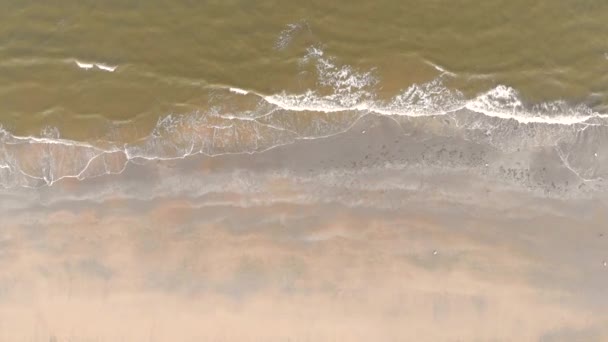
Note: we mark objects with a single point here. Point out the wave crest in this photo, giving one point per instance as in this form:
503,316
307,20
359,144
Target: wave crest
344,94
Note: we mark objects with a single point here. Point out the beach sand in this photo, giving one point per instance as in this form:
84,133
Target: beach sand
300,244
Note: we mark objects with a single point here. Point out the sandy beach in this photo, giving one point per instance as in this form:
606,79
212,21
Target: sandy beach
296,244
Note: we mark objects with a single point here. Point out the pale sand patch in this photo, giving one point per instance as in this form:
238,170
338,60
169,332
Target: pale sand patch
85,276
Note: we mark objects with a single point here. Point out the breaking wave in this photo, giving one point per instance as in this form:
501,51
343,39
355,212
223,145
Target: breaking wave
342,96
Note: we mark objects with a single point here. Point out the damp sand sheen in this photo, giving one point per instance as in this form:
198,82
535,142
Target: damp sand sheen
279,171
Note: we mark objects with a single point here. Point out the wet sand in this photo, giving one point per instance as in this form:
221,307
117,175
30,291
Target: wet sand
300,244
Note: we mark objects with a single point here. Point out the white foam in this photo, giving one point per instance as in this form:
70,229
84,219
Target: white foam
427,99
353,91
434,99
347,88
100,66
441,69
503,102
311,102
105,67
238,91
83,65
343,78
286,36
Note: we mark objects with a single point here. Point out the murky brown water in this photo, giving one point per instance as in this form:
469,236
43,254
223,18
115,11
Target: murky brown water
166,53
